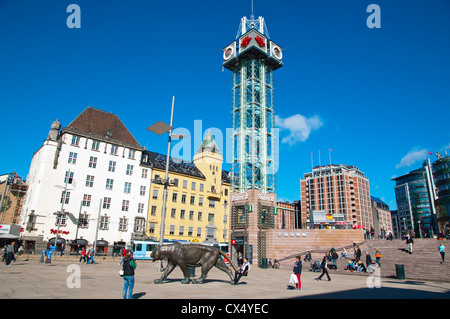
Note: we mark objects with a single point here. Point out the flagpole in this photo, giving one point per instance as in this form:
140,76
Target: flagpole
320,168
329,153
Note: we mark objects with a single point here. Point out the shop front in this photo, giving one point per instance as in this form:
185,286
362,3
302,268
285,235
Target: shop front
102,248
60,244
77,246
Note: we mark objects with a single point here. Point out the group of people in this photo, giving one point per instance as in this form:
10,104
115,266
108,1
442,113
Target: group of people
87,255
8,253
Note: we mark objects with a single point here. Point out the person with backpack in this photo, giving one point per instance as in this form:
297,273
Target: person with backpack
323,266
377,257
129,265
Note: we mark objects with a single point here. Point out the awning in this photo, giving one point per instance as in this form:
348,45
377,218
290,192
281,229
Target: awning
8,236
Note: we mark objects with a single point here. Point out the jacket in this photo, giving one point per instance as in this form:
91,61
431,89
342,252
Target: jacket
298,267
128,267
368,259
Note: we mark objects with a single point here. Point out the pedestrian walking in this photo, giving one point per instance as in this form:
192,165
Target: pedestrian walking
334,258
298,272
91,255
129,265
357,253
308,256
378,257
10,253
369,262
83,255
323,266
409,242
442,252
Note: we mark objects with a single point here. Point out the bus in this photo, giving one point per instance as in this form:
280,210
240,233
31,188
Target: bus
143,249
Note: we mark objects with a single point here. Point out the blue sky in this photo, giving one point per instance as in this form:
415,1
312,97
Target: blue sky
379,97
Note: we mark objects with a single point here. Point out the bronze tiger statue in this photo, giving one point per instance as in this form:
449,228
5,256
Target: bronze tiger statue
191,255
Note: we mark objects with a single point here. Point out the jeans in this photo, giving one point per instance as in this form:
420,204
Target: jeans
128,285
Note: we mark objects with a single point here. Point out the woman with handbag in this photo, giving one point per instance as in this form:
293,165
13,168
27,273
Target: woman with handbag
298,271
129,265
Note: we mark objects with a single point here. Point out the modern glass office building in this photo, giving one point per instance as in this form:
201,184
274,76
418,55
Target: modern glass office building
441,173
414,193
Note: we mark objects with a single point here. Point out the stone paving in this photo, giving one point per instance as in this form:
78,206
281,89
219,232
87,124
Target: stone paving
68,279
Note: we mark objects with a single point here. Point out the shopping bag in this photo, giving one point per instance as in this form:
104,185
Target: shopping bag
294,279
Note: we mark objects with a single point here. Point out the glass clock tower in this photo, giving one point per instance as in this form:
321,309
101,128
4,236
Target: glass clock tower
252,57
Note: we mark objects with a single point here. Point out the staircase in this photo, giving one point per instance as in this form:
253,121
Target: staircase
423,264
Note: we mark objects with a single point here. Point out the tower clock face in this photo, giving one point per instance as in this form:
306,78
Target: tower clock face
276,52
229,52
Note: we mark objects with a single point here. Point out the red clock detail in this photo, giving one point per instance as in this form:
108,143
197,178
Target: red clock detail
245,41
260,41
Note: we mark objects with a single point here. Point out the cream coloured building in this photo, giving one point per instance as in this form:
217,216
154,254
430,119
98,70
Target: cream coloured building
197,206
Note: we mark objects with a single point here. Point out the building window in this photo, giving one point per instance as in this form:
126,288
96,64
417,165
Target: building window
140,208
173,213
114,149
212,202
182,213
210,217
175,182
139,225
200,201
142,191
152,228
75,140
155,194
89,181
106,202
61,220
127,188
144,173
93,162
185,183
65,198
129,169
86,200
199,231
104,222
183,199
226,191
131,153
193,186
174,197
83,221
72,158
95,145
192,200
31,224
123,223
172,230
190,231
181,233
202,187
191,215
112,166
125,205
68,178
200,216
109,184
153,211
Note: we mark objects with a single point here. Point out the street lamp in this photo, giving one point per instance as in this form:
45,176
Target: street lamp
160,128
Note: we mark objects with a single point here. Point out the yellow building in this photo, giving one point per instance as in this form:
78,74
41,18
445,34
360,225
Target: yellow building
197,203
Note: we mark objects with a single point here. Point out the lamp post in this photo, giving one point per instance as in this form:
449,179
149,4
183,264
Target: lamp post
160,128
61,213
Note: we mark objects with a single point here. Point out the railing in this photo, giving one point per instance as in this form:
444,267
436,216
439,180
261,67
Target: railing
323,251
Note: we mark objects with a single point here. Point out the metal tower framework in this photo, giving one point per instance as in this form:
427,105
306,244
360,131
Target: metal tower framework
252,58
